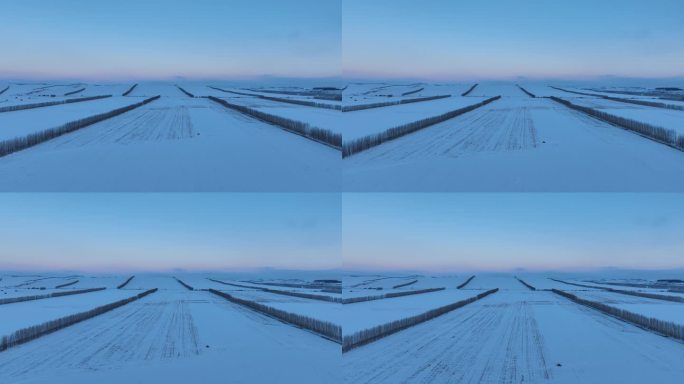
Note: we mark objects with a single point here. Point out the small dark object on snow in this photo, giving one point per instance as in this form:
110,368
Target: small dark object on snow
559,365
206,346
543,141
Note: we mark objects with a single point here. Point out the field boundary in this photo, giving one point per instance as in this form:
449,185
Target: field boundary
130,90
661,327
370,335
646,295
4,90
389,295
74,92
20,299
181,282
20,143
67,284
120,286
412,92
284,293
27,334
360,107
461,286
466,93
186,92
319,135
285,100
660,135
370,141
405,284
530,94
21,107
325,329
645,103
530,287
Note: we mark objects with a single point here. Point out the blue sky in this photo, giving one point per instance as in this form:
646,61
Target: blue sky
162,39
162,232
503,232
503,39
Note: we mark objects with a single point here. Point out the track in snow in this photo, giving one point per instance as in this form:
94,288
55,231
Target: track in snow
518,336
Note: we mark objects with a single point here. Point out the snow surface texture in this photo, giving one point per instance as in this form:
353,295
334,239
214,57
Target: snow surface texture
172,336
176,143
517,335
517,143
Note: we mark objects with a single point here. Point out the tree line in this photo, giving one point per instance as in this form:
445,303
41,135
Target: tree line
351,300
12,108
27,334
323,328
20,143
11,300
375,333
359,107
285,293
320,135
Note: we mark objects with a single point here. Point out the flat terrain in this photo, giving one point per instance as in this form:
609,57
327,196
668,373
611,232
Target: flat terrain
173,336
517,144
518,336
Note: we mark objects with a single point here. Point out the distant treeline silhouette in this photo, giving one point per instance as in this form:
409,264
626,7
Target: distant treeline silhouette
11,300
130,90
525,284
359,107
466,93
120,286
323,328
184,91
662,135
647,295
412,92
319,135
21,143
466,282
646,103
303,295
27,334
372,334
351,300
285,100
663,327
530,94
20,107
74,92
181,282
67,284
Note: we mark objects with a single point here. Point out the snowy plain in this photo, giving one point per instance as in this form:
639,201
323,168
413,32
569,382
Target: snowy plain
173,336
518,143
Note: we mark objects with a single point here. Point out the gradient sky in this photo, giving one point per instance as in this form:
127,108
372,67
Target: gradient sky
504,39
503,232
162,232
160,39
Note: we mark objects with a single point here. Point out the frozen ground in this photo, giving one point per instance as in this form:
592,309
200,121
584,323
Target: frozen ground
367,314
176,143
659,309
172,336
371,93
516,144
356,285
518,336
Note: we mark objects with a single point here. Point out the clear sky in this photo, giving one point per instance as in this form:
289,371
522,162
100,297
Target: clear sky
163,232
503,232
162,39
504,39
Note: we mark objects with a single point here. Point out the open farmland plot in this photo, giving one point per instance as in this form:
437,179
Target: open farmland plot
21,315
321,310
659,309
660,117
173,144
174,336
364,315
518,336
516,143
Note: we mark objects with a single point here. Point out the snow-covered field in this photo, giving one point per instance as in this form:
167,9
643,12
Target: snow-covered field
176,143
659,309
516,143
173,336
517,336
